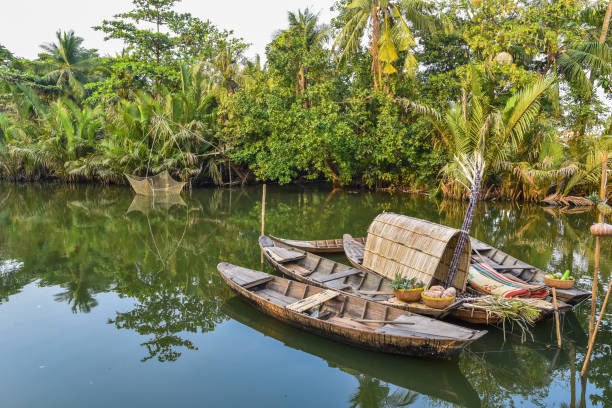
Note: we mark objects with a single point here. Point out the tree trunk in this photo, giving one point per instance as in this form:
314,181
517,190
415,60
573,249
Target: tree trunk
464,235
374,47
606,23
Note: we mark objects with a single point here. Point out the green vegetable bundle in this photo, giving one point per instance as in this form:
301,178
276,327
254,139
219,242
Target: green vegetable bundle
565,276
402,283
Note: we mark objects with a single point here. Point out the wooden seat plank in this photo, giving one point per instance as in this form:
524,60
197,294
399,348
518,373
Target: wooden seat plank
248,278
312,301
256,282
283,255
339,275
298,269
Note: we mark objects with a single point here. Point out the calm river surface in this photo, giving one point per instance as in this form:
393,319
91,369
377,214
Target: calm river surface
106,300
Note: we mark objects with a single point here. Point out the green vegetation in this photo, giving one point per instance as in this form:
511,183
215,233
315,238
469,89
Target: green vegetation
392,94
402,283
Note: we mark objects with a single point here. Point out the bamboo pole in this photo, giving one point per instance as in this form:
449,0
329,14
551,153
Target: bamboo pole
572,362
592,338
554,293
602,197
263,216
594,284
593,330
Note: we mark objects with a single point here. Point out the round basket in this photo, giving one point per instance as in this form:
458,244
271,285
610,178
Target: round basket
408,295
558,283
438,303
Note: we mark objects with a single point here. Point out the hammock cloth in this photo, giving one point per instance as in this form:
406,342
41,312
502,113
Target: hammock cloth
161,183
486,280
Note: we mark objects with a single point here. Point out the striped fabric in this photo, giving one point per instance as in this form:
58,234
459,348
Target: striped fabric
483,278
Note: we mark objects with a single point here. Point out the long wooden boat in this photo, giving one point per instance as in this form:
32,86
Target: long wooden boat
324,246
346,318
316,270
405,373
503,263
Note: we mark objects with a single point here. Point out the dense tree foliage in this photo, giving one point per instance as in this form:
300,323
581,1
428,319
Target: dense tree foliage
386,96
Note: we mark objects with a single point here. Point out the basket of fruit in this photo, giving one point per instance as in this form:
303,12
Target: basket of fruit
559,281
438,297
407,290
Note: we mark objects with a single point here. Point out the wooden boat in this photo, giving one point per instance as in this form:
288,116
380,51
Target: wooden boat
325,246
316,270
345,318
406,373
499,260
503,263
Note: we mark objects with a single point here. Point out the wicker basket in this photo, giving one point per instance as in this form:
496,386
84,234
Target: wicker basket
408,295
438,303
558,283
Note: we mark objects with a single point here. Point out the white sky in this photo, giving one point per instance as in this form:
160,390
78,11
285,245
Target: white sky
25,24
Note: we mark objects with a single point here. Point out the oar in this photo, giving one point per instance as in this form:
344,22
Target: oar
554,293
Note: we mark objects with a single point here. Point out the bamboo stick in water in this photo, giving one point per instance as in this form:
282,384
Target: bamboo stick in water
554,293
263,216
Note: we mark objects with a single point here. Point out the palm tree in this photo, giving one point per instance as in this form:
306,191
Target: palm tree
477,134
309,33
390,32
226,68
68,61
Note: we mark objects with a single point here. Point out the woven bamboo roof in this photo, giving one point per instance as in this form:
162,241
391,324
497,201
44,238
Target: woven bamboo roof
414,248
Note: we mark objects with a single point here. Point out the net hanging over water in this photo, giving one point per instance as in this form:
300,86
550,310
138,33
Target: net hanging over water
161,183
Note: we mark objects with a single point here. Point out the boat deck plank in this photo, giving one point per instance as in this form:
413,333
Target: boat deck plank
284,255
312,301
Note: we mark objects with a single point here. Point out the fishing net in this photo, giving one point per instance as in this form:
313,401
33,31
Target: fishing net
160,202
161,183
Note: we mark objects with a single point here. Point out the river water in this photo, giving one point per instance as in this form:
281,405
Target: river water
107,299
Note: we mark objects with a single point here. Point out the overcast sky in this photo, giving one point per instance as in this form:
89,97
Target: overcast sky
25,24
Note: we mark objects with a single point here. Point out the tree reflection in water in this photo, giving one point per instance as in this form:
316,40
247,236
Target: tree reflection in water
372,393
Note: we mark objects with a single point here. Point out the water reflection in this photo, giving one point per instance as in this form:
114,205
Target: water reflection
372,370
90,240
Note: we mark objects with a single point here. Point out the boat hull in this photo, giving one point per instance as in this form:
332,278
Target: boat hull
370,340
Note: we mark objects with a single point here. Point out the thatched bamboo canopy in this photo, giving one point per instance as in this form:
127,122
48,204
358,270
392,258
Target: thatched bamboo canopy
414,248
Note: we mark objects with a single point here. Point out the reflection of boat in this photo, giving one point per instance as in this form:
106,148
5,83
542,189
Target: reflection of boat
316,270
317,247
146,204
411,374
346,318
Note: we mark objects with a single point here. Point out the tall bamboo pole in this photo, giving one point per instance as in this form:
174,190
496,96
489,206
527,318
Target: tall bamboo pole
602,197
263,216
464,235
593,330
602,312
554,293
